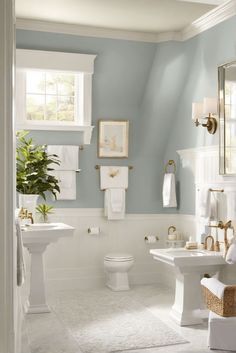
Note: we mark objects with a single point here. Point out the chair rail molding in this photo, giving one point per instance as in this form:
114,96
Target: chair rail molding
7,239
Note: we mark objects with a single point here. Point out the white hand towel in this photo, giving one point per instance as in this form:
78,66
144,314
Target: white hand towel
20,256
168,192
113,177
204,203
215,286
114,204
231,254
68,156
67,184
214,201
231,205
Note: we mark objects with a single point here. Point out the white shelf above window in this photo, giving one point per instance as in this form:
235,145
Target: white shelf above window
86,130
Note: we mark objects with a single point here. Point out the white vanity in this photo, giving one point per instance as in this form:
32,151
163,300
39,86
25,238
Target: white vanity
36,238
190,266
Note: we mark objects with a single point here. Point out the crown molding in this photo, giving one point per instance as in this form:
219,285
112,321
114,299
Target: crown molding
207,21
210,19
86,31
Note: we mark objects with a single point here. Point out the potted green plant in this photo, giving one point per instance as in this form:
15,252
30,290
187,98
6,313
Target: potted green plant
44,211
33,171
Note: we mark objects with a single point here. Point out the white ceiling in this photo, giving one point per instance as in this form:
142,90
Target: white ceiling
154,16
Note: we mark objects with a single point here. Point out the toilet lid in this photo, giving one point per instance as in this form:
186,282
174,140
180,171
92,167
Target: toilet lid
118,257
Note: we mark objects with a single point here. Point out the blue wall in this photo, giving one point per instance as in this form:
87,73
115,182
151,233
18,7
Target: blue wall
153,86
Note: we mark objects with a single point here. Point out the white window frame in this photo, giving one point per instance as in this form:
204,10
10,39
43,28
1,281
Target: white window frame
82,64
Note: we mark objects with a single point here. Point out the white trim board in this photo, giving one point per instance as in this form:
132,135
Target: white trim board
8,292
207,21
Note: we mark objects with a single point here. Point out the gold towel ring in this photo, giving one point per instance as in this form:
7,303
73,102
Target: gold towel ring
170,163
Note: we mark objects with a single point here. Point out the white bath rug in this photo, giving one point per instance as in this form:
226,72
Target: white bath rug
102,321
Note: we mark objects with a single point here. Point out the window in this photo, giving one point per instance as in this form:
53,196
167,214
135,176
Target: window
53,91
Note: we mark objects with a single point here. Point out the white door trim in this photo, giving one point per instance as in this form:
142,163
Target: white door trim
7,258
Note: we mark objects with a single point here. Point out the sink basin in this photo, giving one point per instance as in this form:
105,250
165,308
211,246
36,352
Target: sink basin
45,232
40,226
188,258
185,253
190,266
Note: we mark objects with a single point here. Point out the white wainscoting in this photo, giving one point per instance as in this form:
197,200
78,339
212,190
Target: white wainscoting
77,262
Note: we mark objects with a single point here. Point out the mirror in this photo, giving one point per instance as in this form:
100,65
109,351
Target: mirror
227,117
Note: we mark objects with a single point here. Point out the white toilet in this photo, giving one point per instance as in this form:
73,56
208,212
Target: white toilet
117,267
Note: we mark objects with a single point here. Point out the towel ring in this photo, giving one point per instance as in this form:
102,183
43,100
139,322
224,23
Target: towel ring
170,163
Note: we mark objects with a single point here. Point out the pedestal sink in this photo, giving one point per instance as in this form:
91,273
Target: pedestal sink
36,238
190,266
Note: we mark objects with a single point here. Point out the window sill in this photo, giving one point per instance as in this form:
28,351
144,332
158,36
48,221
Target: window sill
86,130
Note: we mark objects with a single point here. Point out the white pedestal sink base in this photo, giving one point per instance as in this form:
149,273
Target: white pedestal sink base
37,297
36,309
186,308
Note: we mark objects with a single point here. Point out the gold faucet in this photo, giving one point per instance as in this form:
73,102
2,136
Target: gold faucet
225,226
24,214
212,248
30,216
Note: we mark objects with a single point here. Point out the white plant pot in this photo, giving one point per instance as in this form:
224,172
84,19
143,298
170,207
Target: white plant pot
29,202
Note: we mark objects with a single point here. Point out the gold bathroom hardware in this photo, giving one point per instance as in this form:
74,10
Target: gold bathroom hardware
146,238
225,226
216,190
171,227
78,171
170,163
81,147
97,166
24,214
212,243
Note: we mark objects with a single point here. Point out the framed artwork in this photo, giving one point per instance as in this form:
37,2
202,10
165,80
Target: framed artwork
113,136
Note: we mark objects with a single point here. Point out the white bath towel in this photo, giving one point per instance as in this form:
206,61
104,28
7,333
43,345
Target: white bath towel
66,171
67,184
20,257
114,203
231,254
215,286
168,192
113,177
68,156
204,202
231,205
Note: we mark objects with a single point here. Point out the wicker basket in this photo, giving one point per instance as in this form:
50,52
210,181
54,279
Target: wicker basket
224,307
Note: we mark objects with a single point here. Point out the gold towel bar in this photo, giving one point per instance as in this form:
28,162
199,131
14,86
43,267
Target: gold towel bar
171,162
97,166
216,190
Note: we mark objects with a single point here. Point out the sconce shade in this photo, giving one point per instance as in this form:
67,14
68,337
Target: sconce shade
209,106
197,111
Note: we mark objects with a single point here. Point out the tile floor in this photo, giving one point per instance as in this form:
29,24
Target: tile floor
48,334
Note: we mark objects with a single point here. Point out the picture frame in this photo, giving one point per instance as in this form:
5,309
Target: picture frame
113,138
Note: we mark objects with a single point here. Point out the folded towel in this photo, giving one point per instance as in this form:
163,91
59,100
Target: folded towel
231,205
20,258
231,254
113,177
68,156
204,203
67,184
114,204
214,286
214,202
168,192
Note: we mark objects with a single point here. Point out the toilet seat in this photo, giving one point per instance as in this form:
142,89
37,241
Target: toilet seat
118,257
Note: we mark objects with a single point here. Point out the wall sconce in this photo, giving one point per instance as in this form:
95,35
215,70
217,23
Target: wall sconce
205,111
